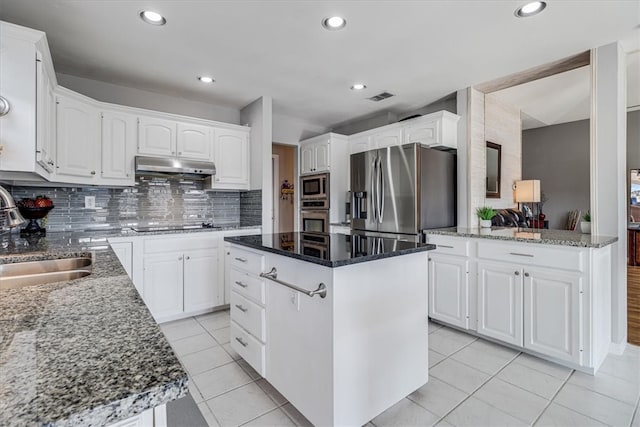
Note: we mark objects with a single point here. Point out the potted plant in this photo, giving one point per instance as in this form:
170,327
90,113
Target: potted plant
585,224
485,214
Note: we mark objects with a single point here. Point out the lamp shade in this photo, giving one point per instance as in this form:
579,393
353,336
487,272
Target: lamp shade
528,191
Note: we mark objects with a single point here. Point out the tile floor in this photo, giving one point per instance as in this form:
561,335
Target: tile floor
472,383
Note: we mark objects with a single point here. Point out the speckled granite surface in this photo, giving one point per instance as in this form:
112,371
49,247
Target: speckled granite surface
546,237
83,352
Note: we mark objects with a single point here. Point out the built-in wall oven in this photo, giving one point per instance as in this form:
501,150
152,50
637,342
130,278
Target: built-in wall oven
315,221
315,245
314,187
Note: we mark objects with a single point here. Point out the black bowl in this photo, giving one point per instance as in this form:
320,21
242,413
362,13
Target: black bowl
35,213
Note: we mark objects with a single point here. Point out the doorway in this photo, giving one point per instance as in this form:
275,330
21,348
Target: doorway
284,159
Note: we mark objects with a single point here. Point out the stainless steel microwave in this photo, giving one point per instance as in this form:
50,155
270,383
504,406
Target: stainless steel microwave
315,187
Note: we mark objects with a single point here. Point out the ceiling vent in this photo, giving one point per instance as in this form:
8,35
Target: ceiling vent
381,96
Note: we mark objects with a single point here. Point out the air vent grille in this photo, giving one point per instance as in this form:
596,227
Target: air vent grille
381,96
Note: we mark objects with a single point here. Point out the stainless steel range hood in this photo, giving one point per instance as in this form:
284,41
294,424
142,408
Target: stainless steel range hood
168,166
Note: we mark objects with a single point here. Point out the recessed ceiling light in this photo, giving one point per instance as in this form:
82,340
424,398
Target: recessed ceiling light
358,86
334,23
530,9
153,18
205,79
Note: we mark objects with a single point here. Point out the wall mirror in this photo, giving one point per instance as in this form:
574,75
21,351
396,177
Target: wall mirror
493,170
634,195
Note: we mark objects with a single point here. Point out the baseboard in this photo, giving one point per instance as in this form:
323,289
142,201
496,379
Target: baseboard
618,348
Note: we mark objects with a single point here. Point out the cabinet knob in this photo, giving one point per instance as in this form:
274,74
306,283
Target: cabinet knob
179,258
93,172
517,273
526,274
173,152
188,257
179,153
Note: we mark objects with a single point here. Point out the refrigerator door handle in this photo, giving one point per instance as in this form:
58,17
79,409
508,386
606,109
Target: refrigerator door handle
378,189
372,194
381,212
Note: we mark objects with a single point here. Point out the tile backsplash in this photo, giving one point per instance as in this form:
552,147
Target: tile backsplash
152,200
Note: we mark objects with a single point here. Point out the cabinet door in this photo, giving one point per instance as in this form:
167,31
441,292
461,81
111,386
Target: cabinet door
552,313
449,290
500,302
231,159
124,252
322,154
78,135
194,141
389,138
307,159
118,145
359,145
201,280
422,133
156,137
46,119
163,284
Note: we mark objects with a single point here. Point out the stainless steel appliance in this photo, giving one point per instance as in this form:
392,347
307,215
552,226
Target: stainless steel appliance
315,221
316,245
315,187
172,166
402,190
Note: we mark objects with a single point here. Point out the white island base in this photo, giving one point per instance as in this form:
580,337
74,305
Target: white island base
345,358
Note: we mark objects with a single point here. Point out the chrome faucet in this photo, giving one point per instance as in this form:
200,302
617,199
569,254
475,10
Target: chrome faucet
11,217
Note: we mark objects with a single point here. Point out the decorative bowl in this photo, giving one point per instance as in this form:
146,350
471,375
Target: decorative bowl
35,213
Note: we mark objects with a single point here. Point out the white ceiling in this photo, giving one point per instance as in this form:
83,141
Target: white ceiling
418,50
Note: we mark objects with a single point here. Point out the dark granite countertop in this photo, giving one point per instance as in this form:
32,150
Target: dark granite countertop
330,250
528,235
82,352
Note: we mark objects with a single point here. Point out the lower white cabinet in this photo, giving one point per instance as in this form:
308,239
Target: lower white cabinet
200,271
124,252
154,417
164,284
449,289
500,302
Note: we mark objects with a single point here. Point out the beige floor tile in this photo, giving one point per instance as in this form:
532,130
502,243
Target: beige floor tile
446,341
275,418
636,418
182,328
205,360
625,367
194,392
608,385
485,356
512,400
295,415
405,413
271,392
595,405
240,405
559,416
434,326
474,413
435,358
221,335
248,369
460,376
437,397
220,380
544,366
230,351
208,416
193,344
214,321
537,382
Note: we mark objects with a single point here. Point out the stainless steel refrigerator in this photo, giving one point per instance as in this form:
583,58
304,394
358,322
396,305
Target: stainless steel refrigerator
403,190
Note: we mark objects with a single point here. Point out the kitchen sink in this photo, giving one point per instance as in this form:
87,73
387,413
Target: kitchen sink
20,274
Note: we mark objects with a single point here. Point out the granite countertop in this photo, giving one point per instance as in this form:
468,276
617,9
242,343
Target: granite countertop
82,352
330,250
528,235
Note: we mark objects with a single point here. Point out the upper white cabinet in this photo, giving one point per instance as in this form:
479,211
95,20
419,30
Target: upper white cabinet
387,138
118,147
78,124
156,137
194,141
231,157
26,82
315,155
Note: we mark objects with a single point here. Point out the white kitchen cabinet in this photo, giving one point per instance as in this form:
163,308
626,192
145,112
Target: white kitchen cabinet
552,306
315,155
194,141
164,284
156,137
124,252
359,144
118,147
307,159
200,274
387,138
500,302
437,130
231,157
78,139
449,289
46,118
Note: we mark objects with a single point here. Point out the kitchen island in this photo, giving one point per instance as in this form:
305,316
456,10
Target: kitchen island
84,351
336,323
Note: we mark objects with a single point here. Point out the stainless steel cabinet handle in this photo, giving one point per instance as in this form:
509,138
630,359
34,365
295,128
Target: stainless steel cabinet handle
241,308
4,106
240,259
517,273
93,172
526,274
444,246
273,275
179,153
242,343
239,283
518,254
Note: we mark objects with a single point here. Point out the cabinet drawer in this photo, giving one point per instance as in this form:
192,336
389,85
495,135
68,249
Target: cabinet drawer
249,348
249,315
449,245
563,258
247,285
246,260
153,245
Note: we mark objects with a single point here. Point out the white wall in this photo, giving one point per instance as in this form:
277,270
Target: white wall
132,97
291,130
259,116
